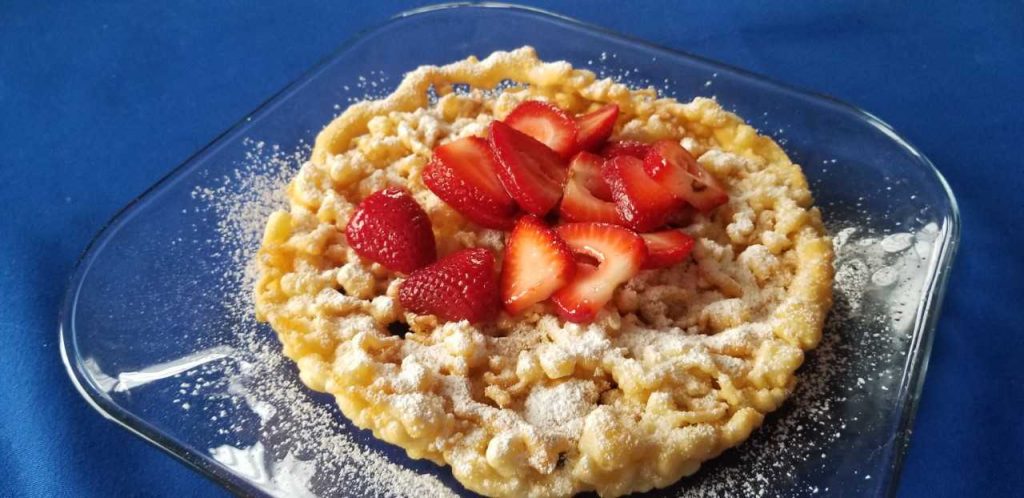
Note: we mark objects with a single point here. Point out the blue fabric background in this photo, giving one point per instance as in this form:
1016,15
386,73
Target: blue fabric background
97,101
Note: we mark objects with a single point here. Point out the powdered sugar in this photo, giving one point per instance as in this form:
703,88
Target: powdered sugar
856,369
334,451
299,432
560,409
304,447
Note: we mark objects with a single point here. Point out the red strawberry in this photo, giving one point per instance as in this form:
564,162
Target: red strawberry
461,286
619,252
580,203
588,168
642,203
625,148
596,127
537,263
547,124
666,248
675,169
464,173
389,228
532,173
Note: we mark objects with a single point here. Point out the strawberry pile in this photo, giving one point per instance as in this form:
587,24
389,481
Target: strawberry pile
613,204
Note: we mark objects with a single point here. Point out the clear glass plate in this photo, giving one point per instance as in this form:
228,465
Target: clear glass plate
155,335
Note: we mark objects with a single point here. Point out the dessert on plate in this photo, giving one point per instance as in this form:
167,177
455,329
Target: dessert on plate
550,282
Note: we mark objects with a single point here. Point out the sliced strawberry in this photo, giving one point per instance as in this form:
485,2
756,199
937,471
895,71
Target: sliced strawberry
625,148
389,228
675,169
531,173
547,124
580,203
666,248
461,286
537,263
587,168
595,127
641,202
464,173
619,252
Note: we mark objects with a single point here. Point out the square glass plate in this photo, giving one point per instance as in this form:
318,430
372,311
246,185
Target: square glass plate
156,334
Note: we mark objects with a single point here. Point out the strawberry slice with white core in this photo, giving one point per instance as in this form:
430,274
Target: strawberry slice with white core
666,248
580,203
677,170
642,202
464,174
595,127
619,252
587,168
547,124
533,174
625,148
537,263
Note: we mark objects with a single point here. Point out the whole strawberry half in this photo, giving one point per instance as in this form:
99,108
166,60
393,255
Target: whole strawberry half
674,168
642,202
390,228
531,173
595,127
460,286
537,263
620,253
464,174
547,124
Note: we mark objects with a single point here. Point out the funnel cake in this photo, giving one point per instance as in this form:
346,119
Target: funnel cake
681,364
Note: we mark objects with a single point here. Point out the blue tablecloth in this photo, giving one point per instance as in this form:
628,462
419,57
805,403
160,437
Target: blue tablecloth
98,101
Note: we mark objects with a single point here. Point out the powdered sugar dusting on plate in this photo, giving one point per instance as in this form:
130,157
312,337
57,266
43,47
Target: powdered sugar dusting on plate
302,434
304,446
